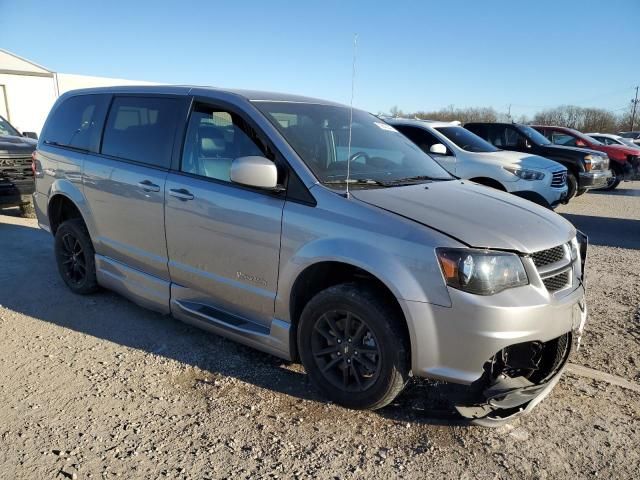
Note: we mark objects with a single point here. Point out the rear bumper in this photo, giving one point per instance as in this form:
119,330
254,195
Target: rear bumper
594,179
14,193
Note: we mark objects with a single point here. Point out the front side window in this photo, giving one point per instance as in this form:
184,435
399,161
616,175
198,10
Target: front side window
563,139
214,139
77,122
377,153
421,137
141,129
7,129
466,140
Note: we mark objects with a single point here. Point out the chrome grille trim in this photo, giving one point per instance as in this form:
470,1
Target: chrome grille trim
559,179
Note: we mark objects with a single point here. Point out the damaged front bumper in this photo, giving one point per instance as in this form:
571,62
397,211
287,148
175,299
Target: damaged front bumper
517,378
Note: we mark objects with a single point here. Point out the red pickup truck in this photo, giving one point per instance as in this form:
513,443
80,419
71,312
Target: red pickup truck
624,161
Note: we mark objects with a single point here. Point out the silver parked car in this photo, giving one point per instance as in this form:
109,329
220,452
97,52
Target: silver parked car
230,210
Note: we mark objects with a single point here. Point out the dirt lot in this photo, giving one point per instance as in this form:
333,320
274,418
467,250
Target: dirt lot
96,387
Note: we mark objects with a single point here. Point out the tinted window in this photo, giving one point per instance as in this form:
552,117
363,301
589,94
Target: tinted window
214,139
77,122
534,135
466,140
141,129
421,137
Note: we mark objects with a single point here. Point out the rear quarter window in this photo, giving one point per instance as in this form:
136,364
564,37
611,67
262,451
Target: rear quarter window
77,122
141,129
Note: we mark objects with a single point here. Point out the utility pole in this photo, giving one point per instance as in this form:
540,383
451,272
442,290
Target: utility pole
633,112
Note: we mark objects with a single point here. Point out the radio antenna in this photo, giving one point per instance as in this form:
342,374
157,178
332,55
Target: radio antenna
353,82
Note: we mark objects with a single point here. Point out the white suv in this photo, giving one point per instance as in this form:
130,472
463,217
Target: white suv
466,155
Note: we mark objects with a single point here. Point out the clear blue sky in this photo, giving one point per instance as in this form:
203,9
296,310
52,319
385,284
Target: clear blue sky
417,55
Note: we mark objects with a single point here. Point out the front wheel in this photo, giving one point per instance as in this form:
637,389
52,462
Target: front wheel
614,181
572,185
75,257
353,348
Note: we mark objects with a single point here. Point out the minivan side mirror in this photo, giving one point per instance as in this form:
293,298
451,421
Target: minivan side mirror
33,135
254,171
438,149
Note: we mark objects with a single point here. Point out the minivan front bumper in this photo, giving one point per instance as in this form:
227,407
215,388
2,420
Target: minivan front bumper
453,343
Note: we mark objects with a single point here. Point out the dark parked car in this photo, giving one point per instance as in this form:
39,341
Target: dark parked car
624,159
16,174
586,169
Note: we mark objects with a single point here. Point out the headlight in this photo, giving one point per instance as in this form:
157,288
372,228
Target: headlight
596,162
525,173
482,272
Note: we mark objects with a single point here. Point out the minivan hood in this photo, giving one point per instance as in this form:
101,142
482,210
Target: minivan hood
476,215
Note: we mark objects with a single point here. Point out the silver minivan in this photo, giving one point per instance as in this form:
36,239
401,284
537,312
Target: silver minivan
314,233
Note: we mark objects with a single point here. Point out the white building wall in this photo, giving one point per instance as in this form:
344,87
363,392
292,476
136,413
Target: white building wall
28,91
28,100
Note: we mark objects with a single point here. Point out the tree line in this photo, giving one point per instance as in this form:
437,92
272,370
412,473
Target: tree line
584,119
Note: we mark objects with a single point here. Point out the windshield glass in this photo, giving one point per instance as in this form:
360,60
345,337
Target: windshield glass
534,135
320,136
627,142
466,140
7,129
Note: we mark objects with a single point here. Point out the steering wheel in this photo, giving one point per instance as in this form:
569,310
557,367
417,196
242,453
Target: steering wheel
357,155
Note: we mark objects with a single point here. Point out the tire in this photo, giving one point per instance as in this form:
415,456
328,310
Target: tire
365,362
572,185
75,257
581,191
615,180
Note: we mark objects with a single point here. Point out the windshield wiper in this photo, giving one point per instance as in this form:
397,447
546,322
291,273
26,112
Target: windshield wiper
417,179
357,181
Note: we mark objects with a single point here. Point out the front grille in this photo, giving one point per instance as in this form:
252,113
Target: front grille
15,166
555,267
547,257
559,179
558,282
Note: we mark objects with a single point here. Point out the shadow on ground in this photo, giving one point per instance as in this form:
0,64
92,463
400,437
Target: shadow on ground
608,232
31,286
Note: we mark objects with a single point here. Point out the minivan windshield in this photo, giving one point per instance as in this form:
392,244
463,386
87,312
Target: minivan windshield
7,129
380,155
534,135
466,140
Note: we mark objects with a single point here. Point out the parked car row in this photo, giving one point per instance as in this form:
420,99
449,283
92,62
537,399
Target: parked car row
322,234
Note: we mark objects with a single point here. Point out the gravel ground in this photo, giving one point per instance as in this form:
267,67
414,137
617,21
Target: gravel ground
96,387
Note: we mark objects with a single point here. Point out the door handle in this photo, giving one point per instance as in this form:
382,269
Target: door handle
181,193
149,186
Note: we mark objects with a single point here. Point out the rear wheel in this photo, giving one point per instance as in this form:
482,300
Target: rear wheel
353,348
75,256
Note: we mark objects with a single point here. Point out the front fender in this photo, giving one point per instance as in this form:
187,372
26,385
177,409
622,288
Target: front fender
405,277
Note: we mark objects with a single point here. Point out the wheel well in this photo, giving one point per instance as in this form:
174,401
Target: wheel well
60,210
489,182
321,276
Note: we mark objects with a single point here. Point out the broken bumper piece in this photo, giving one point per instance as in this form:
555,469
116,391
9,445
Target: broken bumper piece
516,379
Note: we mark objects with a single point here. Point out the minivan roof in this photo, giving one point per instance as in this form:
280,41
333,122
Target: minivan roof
251,95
